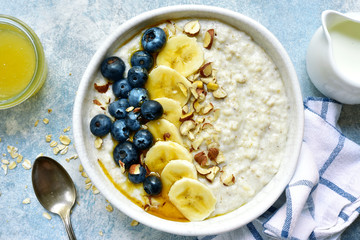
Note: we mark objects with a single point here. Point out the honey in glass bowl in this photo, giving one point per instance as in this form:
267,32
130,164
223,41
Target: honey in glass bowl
22,62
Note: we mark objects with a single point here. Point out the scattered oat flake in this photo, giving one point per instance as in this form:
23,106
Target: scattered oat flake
64,151
26,164
61,146
56,150
12,165
36,123
5,167
66,129
109,208
98,142
26,201
53,144
134,223
0,139
19,158
84,175
101,233
48,137
13,151
46,215
87,180
81,168
64,140
45,120
88,186
6,162
95,190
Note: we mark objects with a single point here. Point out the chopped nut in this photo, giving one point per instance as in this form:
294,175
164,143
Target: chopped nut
12,165
109,208
45,120
201,170
87,180
220,158
64,140
201,158
97,102
26,164
49,110
26,201
219,93
171,28
191,136
197,106
227,179
216,114
194,92
207,108
166,136
183,89
122,167
66,129
185,109
197,142
206,70
88,186
83,174
134,223
209,38
187,116
98,142
48,138
213,153
207,126
198,84
192,28
186,126
36,123
212,86
102,88
46,215
81,168
213,171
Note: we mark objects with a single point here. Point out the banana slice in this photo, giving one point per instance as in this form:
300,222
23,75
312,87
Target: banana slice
163,152
181,53
192,198
163,130
175,170
166,82
172,110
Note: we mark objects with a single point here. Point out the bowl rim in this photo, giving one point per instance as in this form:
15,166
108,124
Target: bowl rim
188,228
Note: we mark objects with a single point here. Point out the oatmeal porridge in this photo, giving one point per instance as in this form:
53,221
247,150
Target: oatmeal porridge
224,125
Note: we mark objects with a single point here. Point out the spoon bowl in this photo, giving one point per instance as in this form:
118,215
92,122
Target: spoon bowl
54,189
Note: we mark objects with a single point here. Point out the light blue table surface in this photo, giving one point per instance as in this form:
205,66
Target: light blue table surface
71,31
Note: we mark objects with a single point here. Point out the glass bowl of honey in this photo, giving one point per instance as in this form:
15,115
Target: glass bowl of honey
23,67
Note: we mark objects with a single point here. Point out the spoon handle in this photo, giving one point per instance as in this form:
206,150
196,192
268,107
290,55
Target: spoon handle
66,220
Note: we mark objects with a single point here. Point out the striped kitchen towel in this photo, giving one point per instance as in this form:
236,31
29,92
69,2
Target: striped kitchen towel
322,199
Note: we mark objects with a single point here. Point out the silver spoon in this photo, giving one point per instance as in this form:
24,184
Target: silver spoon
54,189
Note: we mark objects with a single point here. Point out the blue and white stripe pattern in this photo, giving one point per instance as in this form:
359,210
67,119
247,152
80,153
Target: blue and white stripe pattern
322,198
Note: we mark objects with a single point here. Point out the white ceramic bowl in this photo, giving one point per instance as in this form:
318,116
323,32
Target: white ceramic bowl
267,196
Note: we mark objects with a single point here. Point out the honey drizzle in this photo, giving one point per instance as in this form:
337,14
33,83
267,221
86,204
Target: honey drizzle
165,210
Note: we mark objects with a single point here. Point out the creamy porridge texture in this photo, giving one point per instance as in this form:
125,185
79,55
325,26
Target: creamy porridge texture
247,126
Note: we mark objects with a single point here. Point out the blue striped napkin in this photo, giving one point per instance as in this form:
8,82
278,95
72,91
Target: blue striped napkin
322,199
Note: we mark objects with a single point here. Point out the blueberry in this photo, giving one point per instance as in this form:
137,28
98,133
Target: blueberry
142,59
120,131
132,121
118,108
143,139
121,88
137,76
153,39
137,96
152,185
113,68
151,110
100,125
136,173
127,153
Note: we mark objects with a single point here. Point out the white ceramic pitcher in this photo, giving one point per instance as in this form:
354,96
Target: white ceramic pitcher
333,57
